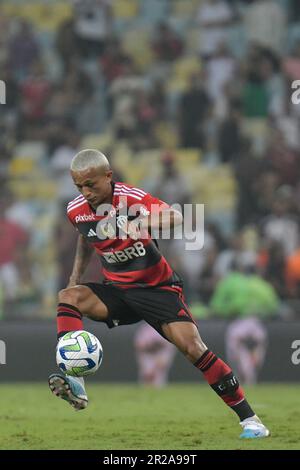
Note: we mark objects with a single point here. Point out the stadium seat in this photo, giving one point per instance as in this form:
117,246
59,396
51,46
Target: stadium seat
31,150
97,141
125,9
257,129
136,43
166,135
193,40
187,159
182,70
45,15
186,8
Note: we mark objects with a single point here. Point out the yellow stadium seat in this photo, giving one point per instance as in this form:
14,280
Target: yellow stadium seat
182,70
137,44
21,166
46,16
193,40
166,136
97,141
187,159
185,8
125,9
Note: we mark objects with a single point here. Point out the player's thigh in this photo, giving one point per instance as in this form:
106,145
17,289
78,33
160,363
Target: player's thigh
87,302
185,335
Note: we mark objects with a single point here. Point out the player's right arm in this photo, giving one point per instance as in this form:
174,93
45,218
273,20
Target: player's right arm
82,258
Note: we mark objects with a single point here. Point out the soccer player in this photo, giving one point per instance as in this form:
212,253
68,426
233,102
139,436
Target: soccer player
139,284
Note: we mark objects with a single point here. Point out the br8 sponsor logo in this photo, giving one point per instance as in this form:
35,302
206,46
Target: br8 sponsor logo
120,256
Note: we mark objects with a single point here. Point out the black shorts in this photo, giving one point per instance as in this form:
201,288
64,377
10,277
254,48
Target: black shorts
154,305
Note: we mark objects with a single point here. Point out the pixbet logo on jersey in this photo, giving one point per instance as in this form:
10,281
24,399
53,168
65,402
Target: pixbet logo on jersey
85,218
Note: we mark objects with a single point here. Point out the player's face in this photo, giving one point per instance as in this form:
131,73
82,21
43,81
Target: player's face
94,184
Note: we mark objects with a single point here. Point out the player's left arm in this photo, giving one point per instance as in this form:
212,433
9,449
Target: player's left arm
154,215
165,218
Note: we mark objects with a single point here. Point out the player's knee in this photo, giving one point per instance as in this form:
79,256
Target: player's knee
71,295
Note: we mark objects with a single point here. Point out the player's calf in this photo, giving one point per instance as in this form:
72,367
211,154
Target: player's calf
69,317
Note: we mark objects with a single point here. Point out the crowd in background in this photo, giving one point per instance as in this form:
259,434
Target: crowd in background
204,87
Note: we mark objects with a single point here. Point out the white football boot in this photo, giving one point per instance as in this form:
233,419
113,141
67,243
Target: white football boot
253,428
70,389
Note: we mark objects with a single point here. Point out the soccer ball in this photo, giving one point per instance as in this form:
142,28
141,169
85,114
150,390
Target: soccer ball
79,353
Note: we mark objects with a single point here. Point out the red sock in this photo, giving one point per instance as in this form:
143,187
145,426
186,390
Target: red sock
69,318
222,380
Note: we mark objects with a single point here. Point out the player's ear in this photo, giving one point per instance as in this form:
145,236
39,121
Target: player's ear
109,175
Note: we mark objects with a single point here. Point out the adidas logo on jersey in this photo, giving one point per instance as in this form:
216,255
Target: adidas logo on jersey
92,233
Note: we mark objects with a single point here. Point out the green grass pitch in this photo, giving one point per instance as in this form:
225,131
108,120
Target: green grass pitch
121,416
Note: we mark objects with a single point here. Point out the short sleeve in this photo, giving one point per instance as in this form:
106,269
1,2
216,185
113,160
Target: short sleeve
153,204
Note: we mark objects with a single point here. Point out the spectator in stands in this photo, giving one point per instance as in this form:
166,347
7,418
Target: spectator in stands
113,60
272,265
270,70
291,71
24,50
93,21
237,255
194,108
214,18
242,294
158,97
5,27
145,118
65,42
230,139
264,184
283,159
124,92
294,10
13,241
35,91
60,164
254,93
265,24
13,97
281,225
220,70
293,274
166,43
172,186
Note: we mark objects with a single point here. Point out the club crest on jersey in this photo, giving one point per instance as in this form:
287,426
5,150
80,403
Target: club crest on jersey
107,230
122,221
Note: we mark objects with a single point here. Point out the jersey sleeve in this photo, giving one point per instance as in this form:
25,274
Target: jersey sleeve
153,204
71,219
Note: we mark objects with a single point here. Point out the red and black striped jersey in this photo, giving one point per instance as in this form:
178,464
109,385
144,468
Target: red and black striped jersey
125,262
